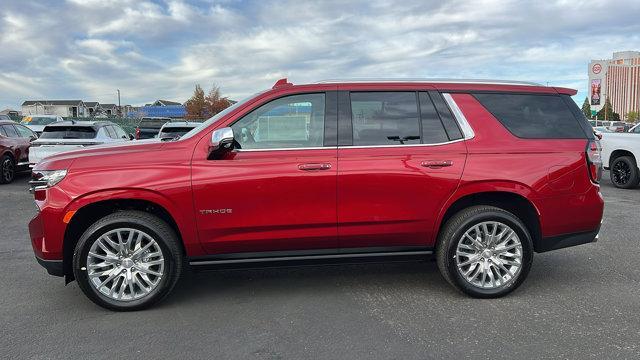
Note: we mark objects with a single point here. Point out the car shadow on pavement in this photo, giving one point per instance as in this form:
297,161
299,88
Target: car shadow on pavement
548,275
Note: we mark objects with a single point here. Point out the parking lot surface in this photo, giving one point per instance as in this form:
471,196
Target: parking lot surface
581,302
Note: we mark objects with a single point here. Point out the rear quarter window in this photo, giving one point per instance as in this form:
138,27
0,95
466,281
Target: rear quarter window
532,116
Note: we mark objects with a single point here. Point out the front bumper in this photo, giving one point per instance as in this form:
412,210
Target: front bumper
54,267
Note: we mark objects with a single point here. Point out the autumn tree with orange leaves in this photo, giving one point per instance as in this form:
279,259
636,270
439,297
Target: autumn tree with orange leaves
203,107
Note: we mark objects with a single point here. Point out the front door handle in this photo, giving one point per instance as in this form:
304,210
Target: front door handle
436,164
311,167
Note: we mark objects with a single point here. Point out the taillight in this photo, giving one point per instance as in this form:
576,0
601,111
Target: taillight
594,160
137,133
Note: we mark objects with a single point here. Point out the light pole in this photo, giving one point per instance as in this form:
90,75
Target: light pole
119,108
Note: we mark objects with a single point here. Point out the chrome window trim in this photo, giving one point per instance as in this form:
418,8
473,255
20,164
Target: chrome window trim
286,149
398,146
467,130
351,147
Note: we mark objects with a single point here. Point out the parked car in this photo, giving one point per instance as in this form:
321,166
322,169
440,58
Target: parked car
37,122
173,130
635,129
479,174
148,127
620,155
15,140
71,135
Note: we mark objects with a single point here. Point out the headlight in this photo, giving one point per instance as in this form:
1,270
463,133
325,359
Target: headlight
43,179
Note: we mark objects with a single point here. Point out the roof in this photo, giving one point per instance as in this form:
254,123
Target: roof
165,103
456,85
91,103
52,102
435,80
181,124
106,106
81,123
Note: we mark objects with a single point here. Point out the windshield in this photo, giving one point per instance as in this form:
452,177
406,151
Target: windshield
68,132
37,120
219,116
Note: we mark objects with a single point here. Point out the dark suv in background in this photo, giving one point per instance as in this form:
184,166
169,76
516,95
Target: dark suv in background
15,141
480,174
148,127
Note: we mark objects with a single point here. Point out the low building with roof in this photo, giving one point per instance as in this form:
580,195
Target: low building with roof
65,108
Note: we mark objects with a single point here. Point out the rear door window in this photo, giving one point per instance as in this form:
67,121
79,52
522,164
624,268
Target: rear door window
68,132
385,118
111,132
24,132
532,116
10,131
432,128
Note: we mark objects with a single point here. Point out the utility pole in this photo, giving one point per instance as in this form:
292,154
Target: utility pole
119,108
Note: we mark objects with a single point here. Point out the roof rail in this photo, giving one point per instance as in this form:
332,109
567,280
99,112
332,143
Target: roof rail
433,80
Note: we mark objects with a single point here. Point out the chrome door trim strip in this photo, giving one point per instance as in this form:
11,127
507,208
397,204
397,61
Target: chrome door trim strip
467,130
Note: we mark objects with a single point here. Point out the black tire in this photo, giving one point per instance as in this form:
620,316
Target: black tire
164,236
452,234
7,169
624,172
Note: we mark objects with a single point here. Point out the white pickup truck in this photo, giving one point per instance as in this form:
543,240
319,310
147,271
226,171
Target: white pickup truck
620,155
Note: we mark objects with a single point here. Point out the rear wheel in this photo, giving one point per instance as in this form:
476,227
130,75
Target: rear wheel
7,169
485,251
128,260
624,172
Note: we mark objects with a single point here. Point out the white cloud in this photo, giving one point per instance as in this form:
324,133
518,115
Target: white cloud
154,49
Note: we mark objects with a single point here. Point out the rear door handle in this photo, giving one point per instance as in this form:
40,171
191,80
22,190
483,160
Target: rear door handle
436,164
311,167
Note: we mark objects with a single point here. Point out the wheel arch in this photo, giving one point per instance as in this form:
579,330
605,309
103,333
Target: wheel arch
512,198
618,153
88,211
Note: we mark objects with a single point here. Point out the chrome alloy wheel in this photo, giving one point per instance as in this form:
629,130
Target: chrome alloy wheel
489,255
125,264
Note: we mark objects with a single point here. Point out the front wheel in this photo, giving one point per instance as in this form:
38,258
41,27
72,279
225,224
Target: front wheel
485,251
624,172
7,169
128,260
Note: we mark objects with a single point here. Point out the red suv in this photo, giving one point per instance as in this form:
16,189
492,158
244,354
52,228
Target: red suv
481,174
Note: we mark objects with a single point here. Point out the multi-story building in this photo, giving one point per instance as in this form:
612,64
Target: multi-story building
616,79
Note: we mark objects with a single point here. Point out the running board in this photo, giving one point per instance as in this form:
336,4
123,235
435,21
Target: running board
236,261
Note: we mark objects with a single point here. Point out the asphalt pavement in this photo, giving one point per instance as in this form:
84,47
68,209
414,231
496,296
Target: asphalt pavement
577,303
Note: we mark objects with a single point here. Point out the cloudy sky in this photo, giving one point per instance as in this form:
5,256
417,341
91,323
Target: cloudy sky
86,49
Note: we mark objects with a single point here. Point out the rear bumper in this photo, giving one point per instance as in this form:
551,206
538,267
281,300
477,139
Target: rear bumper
567,240
54,267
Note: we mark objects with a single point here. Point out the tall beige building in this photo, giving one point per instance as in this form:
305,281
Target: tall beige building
616,79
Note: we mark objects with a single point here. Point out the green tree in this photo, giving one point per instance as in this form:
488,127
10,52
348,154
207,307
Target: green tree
196,105
610,114
633,116
586,108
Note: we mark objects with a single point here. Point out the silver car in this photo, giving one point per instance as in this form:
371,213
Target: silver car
72,135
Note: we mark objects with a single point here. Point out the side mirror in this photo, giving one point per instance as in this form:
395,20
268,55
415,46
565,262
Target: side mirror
221,141
33,138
